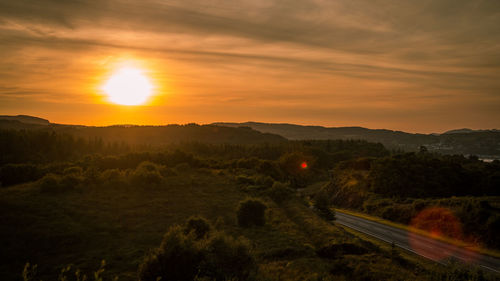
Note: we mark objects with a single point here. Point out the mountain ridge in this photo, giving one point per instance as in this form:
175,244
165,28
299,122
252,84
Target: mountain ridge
28,119
484,143
25,119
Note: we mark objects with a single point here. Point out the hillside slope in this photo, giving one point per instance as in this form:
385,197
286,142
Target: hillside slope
25,119
121,221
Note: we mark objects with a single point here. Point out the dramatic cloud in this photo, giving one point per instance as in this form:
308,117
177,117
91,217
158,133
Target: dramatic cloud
377,63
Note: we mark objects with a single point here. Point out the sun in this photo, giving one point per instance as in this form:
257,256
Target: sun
128,86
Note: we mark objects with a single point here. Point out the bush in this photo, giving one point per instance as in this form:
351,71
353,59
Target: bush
183,257
247,163
322,203
73,170
91,175
251,212
280,192
112,177
70,181
199,226
147,173
264,181
182,168
167,172
456,270
244,179
177,258
227,259
50,183
270,168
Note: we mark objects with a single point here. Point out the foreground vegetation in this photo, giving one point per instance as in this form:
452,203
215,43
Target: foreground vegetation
233,211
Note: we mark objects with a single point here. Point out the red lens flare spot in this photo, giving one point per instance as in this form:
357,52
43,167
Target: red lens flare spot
303,165
435,233
438,222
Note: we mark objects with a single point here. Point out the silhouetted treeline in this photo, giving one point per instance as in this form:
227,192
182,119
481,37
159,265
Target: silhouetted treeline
43,146
27,155
154,135
423,175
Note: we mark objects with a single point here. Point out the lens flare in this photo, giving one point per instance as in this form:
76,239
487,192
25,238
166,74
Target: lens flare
438,222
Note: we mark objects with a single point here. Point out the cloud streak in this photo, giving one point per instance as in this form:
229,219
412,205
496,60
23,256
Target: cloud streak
437,50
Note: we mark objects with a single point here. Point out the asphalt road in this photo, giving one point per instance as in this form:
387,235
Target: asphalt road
421,245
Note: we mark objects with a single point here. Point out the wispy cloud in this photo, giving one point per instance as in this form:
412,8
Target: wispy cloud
264,52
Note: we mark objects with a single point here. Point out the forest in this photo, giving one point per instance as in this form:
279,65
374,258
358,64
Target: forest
246,209
398,187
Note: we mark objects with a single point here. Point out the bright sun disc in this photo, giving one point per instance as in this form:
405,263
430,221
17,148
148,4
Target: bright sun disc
128,86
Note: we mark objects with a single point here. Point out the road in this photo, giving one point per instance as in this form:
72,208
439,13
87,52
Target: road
421,245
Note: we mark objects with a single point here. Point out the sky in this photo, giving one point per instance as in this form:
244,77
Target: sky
417,66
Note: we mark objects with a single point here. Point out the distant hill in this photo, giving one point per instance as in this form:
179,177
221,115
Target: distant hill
25,119
149,135
393,139
466,131
292,131
464,141
484,143
158,135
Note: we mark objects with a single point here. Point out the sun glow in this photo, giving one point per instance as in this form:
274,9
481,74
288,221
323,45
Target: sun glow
128,86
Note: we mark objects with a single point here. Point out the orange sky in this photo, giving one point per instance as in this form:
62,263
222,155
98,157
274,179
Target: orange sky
418,66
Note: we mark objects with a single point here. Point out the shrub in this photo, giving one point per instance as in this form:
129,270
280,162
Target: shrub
199,226
183,257
91,175
280,192
70,181
182,168
270,168
456,270
247,163
50,183
73,170
177,258
112,177
264,181
167,172
251,212
147,173
227,259
322,204
244,179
